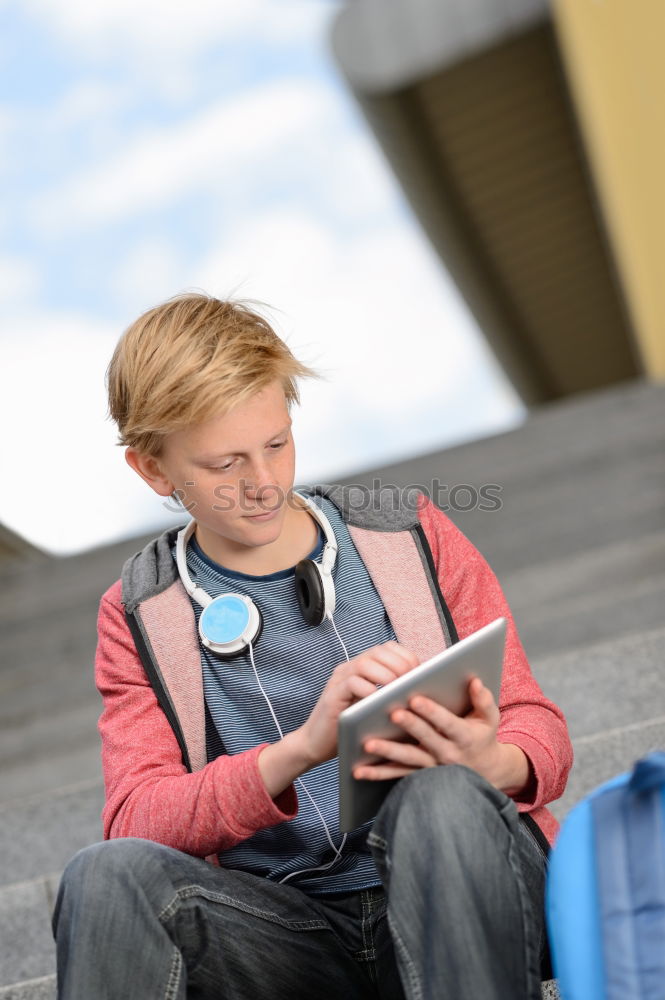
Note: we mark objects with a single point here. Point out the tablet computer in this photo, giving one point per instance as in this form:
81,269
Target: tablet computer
445,678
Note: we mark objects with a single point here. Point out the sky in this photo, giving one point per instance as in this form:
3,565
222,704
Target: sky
148,148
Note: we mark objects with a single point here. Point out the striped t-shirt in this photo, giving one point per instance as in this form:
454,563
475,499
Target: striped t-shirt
294,661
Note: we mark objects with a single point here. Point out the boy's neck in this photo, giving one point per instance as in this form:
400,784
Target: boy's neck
296,540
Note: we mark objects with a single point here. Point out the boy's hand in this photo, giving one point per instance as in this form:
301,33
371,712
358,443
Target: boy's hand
348,683
444,738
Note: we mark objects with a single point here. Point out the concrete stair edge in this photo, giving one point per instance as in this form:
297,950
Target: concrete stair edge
41,988
57,792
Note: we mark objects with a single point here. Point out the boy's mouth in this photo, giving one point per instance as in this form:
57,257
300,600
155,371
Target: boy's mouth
263,515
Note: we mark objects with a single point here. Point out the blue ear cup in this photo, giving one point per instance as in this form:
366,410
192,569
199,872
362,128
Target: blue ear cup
229,623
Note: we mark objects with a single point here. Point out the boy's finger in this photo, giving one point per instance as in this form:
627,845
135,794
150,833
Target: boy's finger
382,772
405,654
441,718
398,659
396,752
482,699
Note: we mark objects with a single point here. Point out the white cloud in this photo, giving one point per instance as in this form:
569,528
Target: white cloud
174,29
8,125
360,183
87,100
19,279
148,273
160,43
165,162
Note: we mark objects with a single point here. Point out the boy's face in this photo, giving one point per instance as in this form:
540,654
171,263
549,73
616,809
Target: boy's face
234,473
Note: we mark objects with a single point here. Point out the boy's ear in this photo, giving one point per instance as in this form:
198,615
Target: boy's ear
149,469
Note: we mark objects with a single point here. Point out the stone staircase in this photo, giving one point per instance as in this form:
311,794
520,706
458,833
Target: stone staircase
579,547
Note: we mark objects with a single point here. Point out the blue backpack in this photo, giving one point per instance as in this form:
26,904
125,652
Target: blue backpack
605,894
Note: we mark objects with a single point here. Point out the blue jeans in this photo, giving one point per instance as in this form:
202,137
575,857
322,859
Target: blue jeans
459,915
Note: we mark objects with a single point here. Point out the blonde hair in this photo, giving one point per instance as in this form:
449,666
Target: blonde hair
189,359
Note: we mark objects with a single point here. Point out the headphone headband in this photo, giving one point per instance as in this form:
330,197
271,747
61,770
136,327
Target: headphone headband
330,548
197,593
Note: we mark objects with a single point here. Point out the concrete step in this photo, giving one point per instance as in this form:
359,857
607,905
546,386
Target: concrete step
40,833
577,476
584,510
628,562
612,694
63,647
46,750
601,756
42,988
606,614
63,583
589,596
63,767
27,947
605,686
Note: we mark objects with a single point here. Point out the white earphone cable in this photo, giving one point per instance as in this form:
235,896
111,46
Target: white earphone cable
337,850
330,619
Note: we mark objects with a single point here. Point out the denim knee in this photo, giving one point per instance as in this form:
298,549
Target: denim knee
100,861
91,873
451,797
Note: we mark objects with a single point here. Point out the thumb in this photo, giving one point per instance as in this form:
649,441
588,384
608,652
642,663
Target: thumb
482,700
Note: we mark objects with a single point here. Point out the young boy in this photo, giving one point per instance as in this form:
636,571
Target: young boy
227,651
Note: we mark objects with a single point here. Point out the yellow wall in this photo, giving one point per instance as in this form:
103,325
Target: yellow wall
614,52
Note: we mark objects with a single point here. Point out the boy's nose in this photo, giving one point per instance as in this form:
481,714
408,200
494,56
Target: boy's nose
261,487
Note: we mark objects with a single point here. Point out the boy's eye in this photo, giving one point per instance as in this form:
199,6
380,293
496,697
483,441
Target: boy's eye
229,465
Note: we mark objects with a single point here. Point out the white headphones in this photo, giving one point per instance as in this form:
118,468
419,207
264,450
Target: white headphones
230,622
